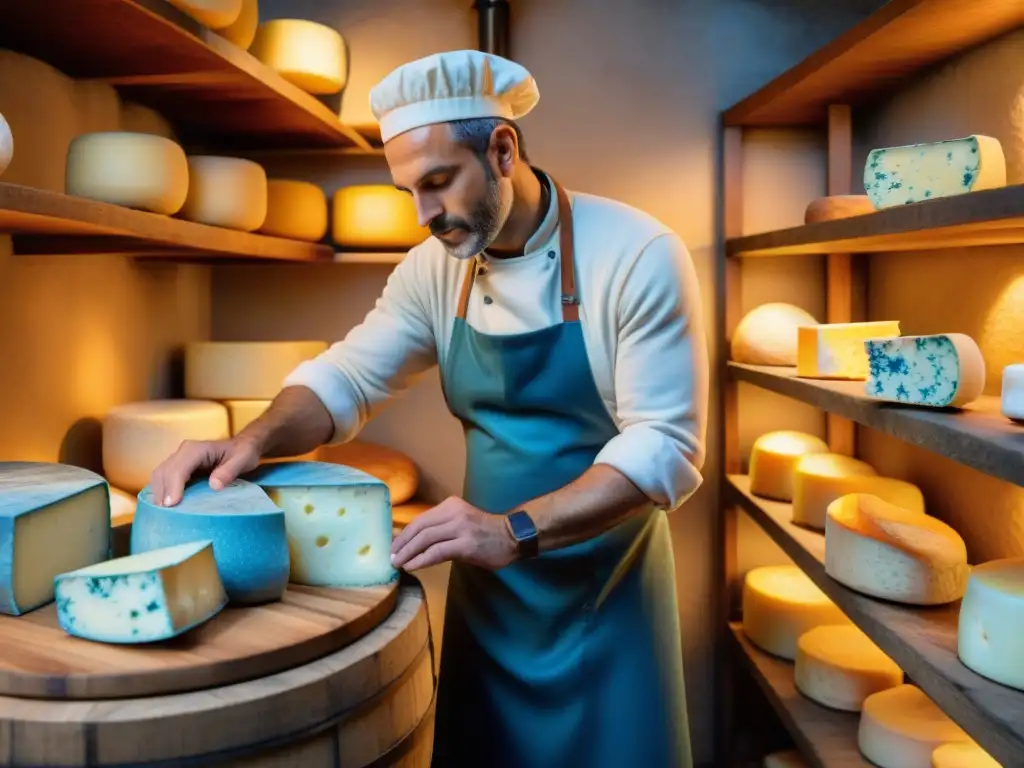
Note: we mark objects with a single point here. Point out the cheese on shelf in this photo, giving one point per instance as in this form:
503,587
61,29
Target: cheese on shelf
816,493
225,192
901,727
397,470
97,107
767,335
780,603
211,13
122,506
296,210
838,666
241,413
141,598
1012,394
6,145
820,478
136,170
962,754
902,555
247,529
943,370
137,118
375,216
836,350
991,621
137,437
909,174
243,370
53,518
837,207
309,55
789,758
773,459
243,30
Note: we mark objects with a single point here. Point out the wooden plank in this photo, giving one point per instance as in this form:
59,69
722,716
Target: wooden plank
896,42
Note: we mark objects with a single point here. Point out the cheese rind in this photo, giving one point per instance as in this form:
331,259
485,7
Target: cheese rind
242,31
309,55
767,334
6,145
962,754
773,459
912,173
243,370
939,371
375,216
211,13
839,666
141,598
225,192
1012,392
901,727
836,350
789,758
296,210
991,621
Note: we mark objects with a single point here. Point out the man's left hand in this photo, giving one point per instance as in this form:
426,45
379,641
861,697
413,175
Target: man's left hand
454,530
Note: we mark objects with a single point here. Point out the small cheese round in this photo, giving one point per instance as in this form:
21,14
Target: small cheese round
309,55
780,603
6,145
375,216
226,192
839,666
136,170
898,554
211,13
1012,396
789,758
767,334
991,622
962,754
901,727
773,459
819,479
243,370
243,31
296,210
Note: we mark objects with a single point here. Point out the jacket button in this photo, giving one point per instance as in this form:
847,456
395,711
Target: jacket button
551,254
488,300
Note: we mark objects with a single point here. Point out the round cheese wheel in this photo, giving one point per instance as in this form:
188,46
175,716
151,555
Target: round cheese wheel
1012,394
136,170
243,370
295,209
309,55
375,216
211,13
243,31
839,666
393,467
226,192
767,334
403,514
780,603
962,754
122,506
773,459
991,621
789,758
137,118
837,207
6,145
901,727
821,478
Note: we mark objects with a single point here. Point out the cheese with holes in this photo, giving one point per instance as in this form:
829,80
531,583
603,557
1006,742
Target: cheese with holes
818,479
122,506
338,521
242,31
375,216
141,598
211,13
6,145
767,335
397,470
885,550
309,55
138,118
836,350
296,210
789,758
136,170
992,620
250,543
773,460
900,728
225,192
944,370
137,437
243,370
838,666
1012,394
962,754
53,518
837,207
780,603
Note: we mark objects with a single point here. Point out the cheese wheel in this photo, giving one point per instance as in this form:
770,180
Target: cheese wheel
773,459
241,413
900,728
767,335
97,107
137,437
6,145
902,555
243,370
836,350
939,371
295,209
309,55
819,479
962,754
211,13
789,758
991,621
1011,396
122,506
403,514
397,470
243,30
226,192
137,118
837,207
375,216
780,603
838,666
135,170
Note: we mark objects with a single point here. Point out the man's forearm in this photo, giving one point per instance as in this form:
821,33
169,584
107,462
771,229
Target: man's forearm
295,423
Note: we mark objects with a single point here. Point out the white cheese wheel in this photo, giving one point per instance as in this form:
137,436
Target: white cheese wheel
773,459
962,754
767,335
6,145
243,30
789,758
122,506
137,437
902,555
243,370
211,13
226,192
839,666
295,209
991,621
836,350
780,603
819,479
375,216
135,170
1012,395
137,118
309,55
900,728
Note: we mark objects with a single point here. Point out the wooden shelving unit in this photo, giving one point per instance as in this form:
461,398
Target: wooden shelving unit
360,257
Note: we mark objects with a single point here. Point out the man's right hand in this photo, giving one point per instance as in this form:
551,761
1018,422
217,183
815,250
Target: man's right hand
224,459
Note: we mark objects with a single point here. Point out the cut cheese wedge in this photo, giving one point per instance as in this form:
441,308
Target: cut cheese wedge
1012,394
767,335
789,758
991,622
901,727
225,192
837,207
940,371
243,370
839,666
773,460
836,350
962,755
296,210
375,216
141,598
819,479
309,55
898,554
397,470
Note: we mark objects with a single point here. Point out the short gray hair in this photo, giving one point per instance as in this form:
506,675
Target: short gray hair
475,134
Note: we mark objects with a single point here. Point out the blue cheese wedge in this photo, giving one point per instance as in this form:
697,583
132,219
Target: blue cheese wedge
909,174
247,530
940,371
142,598
338,521
53,518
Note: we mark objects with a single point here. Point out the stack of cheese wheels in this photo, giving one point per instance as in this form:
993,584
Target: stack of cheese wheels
962,754
375,216
296,210
838,666
902,726
226,192
895,553
767,335
311,56
773,460
991,621
789,758
394,468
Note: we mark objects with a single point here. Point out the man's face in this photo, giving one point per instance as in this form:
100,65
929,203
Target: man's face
464,202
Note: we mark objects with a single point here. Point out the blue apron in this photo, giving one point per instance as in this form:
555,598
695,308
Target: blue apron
571,659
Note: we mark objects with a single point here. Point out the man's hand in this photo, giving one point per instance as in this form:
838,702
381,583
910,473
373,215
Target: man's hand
226,460
454,530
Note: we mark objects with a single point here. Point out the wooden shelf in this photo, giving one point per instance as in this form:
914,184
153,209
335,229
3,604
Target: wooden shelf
899,40
211,90
827,738
358,257
978,436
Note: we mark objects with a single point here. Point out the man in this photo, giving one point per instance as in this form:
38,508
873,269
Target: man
570,340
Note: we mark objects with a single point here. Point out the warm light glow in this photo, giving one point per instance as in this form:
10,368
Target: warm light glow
97,369
375,216
307,54
1001,337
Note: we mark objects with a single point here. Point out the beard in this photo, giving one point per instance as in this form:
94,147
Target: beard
483,225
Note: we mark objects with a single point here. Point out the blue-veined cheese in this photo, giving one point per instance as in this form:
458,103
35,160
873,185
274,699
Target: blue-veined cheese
940,371
836,350
338,521
53,518
991,621
247,530
141,598
915,172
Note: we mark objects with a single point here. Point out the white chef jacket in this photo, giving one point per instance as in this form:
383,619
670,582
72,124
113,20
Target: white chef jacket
642,322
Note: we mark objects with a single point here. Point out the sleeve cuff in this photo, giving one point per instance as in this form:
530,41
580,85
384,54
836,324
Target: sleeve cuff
334,391
654,463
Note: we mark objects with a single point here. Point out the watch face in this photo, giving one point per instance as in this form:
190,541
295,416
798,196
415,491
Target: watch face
522,525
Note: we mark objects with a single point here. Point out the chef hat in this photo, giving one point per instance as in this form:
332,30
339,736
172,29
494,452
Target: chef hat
453,85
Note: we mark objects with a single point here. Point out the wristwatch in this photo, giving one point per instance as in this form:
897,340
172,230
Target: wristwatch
521,526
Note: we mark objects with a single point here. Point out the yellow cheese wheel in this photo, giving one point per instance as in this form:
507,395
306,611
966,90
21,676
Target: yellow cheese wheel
403,514
962,754
773,459
137,118
295,209
902,727
991,620
226,192
312,56
394,468
839,666
243,31
243,370
6,145
375,216
767,335
211,13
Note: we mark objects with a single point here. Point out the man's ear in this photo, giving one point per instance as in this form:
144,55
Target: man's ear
505,147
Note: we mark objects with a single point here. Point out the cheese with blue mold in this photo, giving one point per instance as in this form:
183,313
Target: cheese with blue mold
909,174
143,598
938,371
